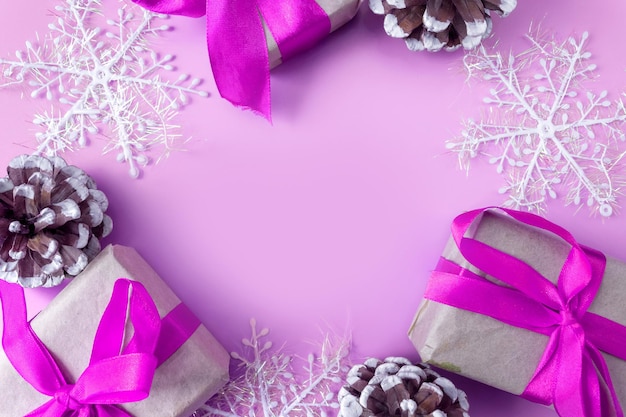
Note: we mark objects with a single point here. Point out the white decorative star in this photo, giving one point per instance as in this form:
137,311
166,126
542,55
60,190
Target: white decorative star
547,134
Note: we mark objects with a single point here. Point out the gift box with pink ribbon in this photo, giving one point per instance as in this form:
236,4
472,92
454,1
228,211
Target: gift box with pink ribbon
116,342
515,302
246,38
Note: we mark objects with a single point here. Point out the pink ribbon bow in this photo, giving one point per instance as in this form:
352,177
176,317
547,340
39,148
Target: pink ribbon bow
237,44
116,374
572,373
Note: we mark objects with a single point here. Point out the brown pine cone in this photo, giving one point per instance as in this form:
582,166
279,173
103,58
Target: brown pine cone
397,387
51,220
433,25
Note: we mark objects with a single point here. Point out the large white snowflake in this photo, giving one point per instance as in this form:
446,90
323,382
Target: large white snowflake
545,133
100,72
270,386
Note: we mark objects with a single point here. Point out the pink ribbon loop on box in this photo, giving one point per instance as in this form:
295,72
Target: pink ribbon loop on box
116,373
572,373
237,44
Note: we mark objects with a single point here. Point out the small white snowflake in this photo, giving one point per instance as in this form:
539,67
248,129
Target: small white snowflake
100,72
546,133
270,386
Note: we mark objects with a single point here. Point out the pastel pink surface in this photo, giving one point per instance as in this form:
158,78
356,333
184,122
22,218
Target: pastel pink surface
332,218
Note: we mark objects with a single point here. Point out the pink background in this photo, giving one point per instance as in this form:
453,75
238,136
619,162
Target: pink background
331,218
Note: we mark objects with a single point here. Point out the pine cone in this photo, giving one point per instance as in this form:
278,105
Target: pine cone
433,25
397,387
51,220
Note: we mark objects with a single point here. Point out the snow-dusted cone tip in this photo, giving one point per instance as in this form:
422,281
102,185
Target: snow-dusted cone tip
397,387
52,217
434,25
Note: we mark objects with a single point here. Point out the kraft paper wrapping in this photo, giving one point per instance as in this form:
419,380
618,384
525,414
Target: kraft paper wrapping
340,12
67,326
489,351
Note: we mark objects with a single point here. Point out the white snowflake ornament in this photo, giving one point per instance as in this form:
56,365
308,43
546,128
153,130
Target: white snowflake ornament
270,386
547,134
102,77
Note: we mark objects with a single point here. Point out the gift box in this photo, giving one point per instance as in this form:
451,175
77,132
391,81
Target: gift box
189,376
483,317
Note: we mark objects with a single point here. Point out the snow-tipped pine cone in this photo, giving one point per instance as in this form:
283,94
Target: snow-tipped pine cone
51,221
397,387
434,25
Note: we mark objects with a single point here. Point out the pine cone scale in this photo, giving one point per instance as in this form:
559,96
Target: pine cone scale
502,7
63,212
74,260
70,188
15,248
428,398
473,13
43,244
438,15
401,22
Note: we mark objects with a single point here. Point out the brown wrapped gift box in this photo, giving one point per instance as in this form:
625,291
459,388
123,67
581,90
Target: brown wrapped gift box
340,13
67,326
489,351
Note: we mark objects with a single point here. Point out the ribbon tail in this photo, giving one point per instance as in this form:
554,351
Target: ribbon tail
25,351
238,54
542,385
579,391
609,400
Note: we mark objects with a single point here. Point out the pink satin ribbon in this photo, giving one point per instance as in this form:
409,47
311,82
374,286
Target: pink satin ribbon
572,373
116,373
237,44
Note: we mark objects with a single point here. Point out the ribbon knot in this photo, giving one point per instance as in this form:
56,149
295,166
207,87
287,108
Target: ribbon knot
568,319
64,398
572,374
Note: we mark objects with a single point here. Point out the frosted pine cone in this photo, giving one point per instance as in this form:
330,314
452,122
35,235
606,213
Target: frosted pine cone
433,25
51,220
397,387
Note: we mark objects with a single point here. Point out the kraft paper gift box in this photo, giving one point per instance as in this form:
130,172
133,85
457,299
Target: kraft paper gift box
67,326
490,351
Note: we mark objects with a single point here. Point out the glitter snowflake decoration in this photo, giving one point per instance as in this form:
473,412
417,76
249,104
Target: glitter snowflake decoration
101,73
269,385
546,133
